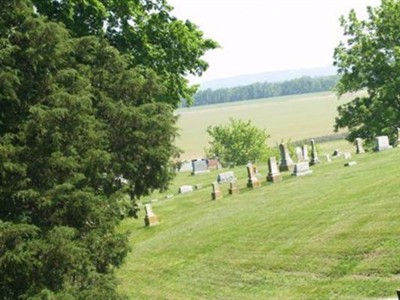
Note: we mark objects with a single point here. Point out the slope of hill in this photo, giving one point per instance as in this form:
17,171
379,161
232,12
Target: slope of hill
331,235
275,76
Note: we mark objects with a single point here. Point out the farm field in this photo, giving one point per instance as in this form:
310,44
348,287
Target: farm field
291,117
330,235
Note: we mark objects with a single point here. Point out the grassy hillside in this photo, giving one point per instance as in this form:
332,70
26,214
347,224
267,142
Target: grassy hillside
331,235
291,117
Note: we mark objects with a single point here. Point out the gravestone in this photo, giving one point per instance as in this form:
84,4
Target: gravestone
336,153
184,189
304,150
186,167
350,164
286,163
382,143
198,186
226,177
216,191
199,166
252,181
213,164
328,158
170,196
398,137
347,155
273,171
314,156
302,169
150,218
233,188
359,146
299,154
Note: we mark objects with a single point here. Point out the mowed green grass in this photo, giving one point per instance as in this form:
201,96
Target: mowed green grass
291,117
332,235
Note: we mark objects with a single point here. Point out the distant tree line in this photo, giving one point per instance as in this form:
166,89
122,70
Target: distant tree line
258,90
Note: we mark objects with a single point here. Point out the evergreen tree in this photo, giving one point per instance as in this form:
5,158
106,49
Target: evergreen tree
82,135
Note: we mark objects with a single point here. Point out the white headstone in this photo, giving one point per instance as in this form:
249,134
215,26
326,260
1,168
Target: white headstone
328,158
347,155
359,146
150,218
184,189
398,137
199,166
304,150
299,154
350,164
148,210
226,177
301,169
382,143
186,167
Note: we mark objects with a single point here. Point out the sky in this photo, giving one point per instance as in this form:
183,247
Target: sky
268,35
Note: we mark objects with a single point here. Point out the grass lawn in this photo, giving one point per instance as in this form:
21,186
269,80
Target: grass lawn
332,235
290,117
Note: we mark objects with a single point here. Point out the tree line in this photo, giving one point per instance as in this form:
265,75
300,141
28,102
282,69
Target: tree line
258,90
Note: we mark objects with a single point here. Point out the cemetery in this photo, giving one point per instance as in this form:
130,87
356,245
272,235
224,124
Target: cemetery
286,227
110,189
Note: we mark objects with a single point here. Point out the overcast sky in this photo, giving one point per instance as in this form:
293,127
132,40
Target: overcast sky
268,35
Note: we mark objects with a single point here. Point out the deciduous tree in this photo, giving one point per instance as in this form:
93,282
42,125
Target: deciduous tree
146,31
369,60
237,142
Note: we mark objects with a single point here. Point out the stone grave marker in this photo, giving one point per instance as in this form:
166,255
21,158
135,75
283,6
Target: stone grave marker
302,169
150,218
216,191
233,188
347,155
252,181
199,166
198,186
314,156
350,164
398,137
304,150
213,164
382,143
273,172
186,167
299,154
286,163
185,189
336,153
359,146
226,177
328,158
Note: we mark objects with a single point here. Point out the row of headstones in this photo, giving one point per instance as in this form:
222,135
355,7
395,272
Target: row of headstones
302,167
204,165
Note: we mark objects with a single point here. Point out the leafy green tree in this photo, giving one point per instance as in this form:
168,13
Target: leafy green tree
145,31
237,142
82,135
370,60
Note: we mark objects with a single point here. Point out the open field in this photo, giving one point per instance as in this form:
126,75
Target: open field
291,117
331,235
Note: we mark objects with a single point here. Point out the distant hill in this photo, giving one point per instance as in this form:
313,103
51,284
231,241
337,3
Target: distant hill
275,76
